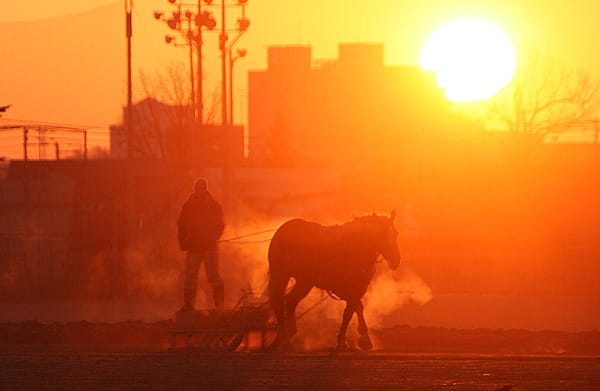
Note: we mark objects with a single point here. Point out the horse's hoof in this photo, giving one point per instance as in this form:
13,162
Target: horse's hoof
364,342
280,345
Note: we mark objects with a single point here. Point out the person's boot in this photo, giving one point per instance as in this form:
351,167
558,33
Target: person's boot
219,297
189,298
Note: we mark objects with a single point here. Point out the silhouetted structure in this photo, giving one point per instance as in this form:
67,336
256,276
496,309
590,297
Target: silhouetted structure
354,107
166,133
60,219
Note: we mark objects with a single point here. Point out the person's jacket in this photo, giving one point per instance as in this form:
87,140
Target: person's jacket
200,222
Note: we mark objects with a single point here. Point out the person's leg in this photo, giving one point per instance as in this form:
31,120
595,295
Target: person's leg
190,280
214,278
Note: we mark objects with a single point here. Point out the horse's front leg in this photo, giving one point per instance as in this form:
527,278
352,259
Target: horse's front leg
364,342
348,312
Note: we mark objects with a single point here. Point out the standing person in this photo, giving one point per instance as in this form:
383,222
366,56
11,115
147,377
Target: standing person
199,227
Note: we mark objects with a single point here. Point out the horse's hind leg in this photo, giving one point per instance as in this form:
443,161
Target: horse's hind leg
277,286
364,342
348,312
298,292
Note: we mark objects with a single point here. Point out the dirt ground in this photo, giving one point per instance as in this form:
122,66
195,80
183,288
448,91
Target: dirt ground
37,368
136,356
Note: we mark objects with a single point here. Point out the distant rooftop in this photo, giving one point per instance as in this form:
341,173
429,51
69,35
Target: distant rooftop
299,57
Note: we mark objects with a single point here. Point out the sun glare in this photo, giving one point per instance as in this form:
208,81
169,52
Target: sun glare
473,59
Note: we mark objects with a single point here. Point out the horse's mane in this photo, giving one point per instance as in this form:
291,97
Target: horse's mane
366,218
360,233
367,222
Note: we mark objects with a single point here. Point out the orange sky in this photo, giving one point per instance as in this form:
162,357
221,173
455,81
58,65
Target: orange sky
71,69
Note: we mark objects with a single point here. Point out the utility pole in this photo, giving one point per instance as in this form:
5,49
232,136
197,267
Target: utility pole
85,147
227,166
204,19
199,90
231,62
25,140
240,53
129,174
192,33
227,122
129,33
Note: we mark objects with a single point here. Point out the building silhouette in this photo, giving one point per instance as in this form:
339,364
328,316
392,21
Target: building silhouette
168,132
352,108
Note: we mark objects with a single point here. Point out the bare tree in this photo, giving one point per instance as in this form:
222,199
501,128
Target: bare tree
544,100
165,116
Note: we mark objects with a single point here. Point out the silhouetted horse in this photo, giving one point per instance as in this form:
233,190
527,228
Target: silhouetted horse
339,259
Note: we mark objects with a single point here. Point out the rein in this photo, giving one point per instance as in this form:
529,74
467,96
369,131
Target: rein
235,239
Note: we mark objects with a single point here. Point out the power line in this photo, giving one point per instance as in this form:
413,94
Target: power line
33,123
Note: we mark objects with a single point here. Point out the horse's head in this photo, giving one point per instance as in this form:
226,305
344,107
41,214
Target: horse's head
388,244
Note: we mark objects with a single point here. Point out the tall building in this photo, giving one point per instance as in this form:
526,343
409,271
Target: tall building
329,112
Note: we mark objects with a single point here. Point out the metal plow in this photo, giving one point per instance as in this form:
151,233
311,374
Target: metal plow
245,327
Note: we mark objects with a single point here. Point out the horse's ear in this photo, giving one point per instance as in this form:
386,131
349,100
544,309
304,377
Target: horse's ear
393,215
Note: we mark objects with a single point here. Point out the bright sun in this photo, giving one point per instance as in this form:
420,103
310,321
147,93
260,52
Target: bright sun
473,59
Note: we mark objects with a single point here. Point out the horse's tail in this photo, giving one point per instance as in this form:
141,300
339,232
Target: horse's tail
278,277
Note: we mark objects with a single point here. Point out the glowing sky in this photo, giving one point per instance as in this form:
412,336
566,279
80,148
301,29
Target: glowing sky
566,30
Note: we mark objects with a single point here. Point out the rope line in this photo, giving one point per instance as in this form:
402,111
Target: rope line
246,241
312,306
247,235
